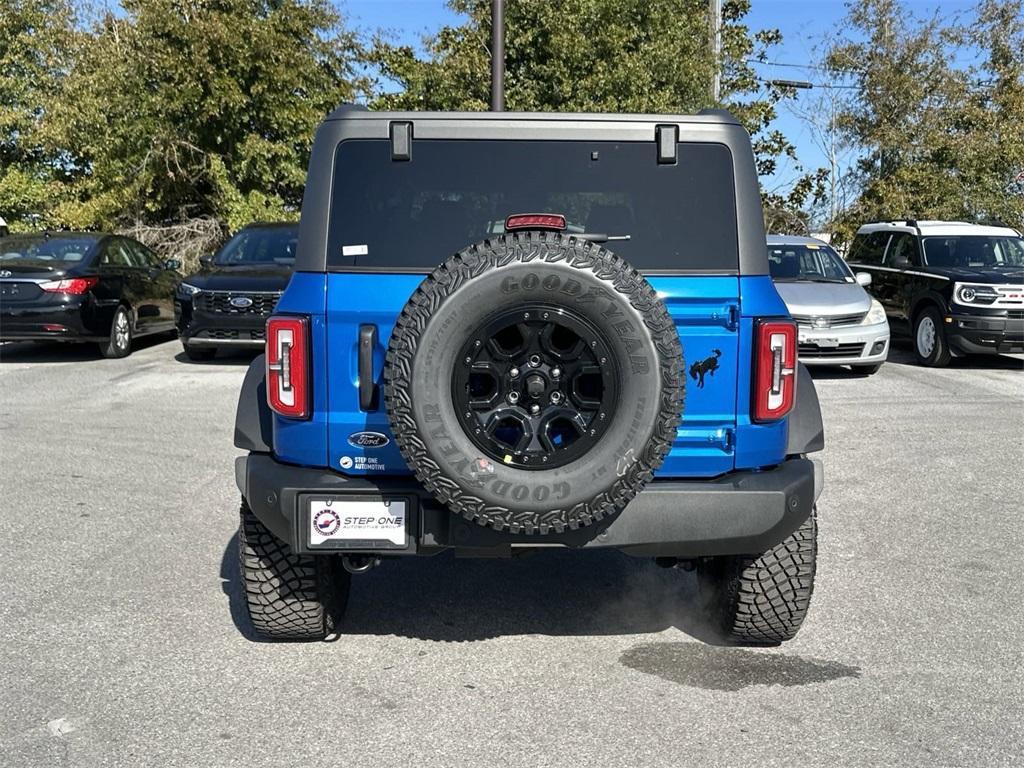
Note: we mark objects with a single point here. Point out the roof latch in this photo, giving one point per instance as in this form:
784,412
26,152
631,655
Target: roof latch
401,141
667,136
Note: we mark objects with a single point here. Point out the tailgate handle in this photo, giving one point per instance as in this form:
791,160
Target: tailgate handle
367,386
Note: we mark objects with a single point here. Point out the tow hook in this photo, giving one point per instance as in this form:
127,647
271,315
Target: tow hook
359,563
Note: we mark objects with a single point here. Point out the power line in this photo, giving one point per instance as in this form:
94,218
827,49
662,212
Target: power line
815,67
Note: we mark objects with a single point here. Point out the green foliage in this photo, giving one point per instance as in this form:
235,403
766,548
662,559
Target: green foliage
940,141
595,56
187,108
35,38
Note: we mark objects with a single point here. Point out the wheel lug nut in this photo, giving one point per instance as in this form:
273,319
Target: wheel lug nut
556,397
534,360
534,409
556,372
514,373
513,397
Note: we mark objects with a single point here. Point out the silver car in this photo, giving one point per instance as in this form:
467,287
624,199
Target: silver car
838,323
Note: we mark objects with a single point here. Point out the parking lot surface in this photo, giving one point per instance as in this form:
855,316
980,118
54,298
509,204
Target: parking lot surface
125,641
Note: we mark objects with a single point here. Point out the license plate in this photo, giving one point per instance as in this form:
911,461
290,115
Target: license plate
358,523
825,342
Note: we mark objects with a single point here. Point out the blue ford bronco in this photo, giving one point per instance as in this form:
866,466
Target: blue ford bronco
508,332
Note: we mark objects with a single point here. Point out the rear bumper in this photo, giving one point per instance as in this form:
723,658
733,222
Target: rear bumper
738,513
72,320
985,334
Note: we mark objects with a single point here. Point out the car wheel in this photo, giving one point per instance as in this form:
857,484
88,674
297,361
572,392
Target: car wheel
199,354
120,342
867,370
534,383
288,596
930,345
763,599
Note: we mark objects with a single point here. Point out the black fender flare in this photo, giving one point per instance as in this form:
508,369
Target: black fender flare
930,296
253,422
806,430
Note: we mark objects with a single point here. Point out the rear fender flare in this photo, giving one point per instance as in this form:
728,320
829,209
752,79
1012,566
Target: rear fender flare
253,418
806,431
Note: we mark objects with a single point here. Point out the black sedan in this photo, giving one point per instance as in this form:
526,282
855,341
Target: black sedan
72,286
226,303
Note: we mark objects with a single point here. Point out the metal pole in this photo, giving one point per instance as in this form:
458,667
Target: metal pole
497,55
716,49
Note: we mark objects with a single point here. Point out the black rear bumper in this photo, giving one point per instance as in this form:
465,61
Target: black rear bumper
75,318
739,513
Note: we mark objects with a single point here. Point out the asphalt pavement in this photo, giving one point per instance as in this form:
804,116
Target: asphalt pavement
125,642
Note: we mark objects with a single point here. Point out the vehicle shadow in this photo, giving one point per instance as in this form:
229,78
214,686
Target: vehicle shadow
66,352
902,353
223,357
559,593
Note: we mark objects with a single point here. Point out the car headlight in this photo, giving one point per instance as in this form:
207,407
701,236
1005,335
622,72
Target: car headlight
875,315
188,290
974,294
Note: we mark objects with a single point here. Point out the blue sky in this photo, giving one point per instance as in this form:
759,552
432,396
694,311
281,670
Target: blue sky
803,23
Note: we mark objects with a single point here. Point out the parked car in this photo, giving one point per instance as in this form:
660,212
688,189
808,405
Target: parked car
79,286
527,391
954,288
226,304
838,323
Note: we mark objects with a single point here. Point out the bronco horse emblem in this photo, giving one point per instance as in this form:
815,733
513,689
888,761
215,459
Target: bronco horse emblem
706,366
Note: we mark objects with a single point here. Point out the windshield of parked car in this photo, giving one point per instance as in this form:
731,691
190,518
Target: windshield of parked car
974,251
271,245
43,248
809,263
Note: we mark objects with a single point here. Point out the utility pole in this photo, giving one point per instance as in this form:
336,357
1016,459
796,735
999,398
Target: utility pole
716,49
497,55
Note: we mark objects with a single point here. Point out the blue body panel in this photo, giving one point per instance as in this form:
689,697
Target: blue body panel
713,315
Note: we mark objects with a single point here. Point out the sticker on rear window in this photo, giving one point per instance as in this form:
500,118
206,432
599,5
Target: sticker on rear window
354,250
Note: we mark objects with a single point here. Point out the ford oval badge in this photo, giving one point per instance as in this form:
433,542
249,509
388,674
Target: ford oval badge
241,302
368,440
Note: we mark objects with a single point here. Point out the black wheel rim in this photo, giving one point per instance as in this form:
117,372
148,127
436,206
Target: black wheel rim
535,387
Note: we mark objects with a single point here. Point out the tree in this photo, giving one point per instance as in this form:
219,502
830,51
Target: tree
939,141
185,108
35,39
595,56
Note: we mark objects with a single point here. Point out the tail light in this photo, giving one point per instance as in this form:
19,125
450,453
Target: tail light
75,286
552,221
288,366
774,369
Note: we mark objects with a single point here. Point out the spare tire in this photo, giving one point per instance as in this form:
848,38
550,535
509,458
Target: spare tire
534,382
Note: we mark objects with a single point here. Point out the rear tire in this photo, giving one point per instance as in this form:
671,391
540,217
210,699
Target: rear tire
762,600
120,342
200,354
288,596
930,345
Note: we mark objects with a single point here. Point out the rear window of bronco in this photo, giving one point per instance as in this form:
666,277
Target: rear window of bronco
414,214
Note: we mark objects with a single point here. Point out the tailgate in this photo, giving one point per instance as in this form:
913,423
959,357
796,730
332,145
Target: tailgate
705,311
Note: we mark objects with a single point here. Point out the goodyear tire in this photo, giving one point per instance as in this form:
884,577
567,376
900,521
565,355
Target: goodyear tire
762,600
287,596
526,446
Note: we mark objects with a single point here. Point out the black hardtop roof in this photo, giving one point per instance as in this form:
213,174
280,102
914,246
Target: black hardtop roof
271,225
705,116
55,233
